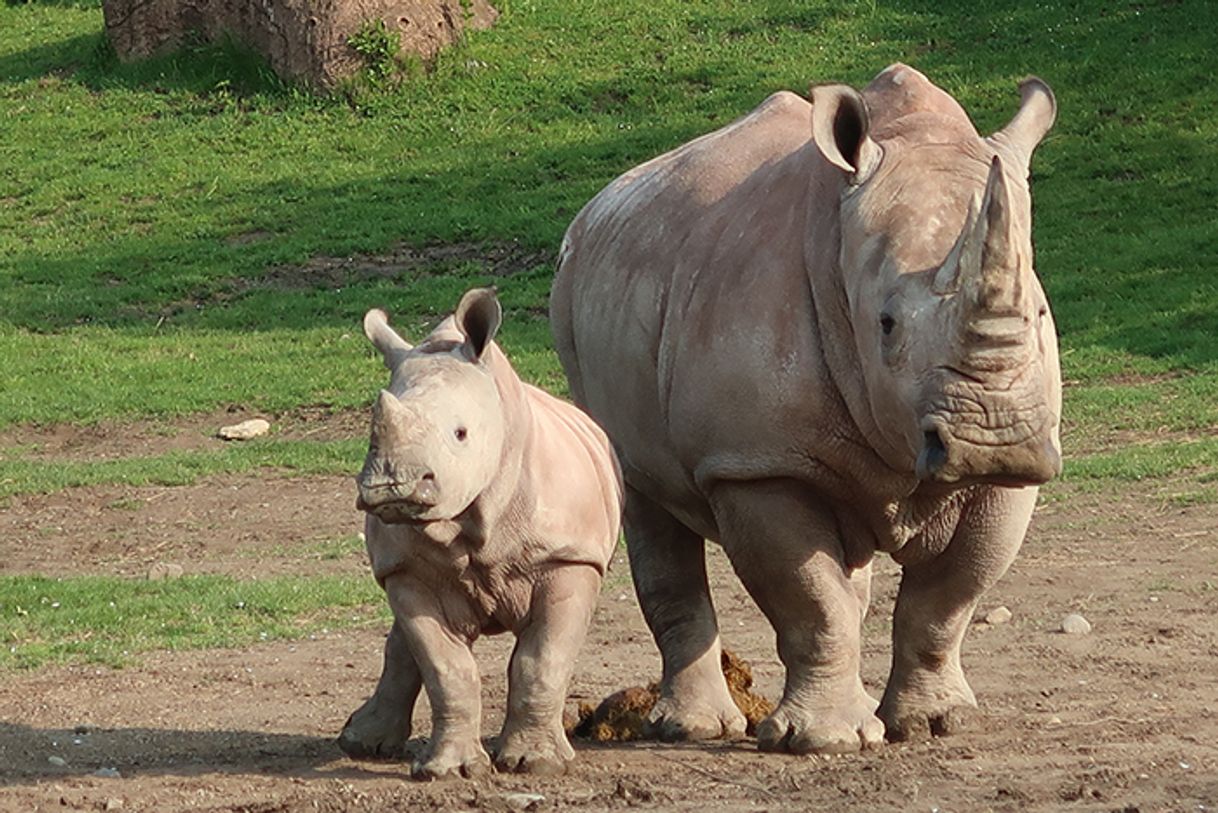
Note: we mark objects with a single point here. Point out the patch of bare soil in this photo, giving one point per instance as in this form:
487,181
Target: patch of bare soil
1122,719
150,437
223,524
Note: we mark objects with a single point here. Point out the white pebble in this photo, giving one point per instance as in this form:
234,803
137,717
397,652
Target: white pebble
246,430
1075,624
108,773
522,801
57,760
998,615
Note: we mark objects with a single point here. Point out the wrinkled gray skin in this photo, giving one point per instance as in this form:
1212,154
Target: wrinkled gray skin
492,506
813,335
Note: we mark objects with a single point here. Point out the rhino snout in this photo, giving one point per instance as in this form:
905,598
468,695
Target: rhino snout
398,500
947,458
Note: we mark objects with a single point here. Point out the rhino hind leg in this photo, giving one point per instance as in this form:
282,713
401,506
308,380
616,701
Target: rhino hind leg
668,564
927,694
533,739
380,728
786,551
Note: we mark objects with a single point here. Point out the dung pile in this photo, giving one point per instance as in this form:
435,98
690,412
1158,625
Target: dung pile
622,716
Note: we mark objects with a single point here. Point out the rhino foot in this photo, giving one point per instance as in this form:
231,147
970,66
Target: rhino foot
837,729
924,725
673,721
451,760
544,753
370,733
937,707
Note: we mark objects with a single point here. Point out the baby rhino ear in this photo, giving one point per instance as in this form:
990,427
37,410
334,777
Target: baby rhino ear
478,316
391,346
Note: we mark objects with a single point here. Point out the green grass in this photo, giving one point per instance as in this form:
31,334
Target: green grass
22,473
108,620
189,233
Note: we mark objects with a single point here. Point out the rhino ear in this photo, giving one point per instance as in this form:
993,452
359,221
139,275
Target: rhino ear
392,346
841,127
1037,112
478,316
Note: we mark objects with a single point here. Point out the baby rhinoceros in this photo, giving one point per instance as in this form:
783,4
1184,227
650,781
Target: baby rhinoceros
491,506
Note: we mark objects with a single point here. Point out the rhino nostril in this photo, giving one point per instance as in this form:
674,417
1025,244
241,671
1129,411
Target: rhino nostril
933,456
426,493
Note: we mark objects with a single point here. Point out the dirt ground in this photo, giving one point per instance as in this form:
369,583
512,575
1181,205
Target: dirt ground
1122,719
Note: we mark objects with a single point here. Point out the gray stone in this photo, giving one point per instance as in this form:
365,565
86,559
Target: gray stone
246,430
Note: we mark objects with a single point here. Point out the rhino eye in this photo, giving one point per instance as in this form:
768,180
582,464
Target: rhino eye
887,323
460,433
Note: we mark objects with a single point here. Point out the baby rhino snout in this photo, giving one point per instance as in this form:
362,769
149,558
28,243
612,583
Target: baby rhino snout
394,498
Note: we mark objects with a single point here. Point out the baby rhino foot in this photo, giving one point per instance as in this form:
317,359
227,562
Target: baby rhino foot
673,721
452,759
543,752
838,729
373,733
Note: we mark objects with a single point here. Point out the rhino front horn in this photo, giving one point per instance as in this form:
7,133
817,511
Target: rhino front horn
991,289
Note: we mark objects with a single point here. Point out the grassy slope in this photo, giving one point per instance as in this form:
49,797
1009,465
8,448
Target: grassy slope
148,213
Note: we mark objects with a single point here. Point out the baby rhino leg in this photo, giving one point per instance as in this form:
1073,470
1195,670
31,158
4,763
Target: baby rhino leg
450,676
533,740
381,727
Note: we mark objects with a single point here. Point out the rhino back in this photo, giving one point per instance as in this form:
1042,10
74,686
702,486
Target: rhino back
683,314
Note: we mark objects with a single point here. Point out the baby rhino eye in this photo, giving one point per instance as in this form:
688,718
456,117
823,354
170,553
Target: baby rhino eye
460,433
887,323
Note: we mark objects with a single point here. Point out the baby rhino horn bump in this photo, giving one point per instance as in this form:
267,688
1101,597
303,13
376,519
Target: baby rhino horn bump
387,418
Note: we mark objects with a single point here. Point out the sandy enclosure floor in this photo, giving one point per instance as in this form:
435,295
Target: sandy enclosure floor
1122,719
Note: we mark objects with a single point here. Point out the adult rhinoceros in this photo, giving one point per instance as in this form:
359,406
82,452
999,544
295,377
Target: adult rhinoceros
812,335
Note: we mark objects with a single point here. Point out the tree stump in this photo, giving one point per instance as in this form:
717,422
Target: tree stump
303,40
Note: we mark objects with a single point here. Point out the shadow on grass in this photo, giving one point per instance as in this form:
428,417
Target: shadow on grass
1125,230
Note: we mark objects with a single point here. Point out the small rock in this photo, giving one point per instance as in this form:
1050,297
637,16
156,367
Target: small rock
1075,624
998,615
108,773
113,804
57,761
523,801
246,430
361,536
165,571
81,728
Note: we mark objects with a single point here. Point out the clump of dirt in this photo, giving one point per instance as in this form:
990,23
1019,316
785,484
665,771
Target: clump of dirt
622,716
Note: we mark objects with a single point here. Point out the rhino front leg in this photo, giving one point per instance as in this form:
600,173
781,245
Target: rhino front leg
450,675
786,551
927,693
381,727
533,740
668,565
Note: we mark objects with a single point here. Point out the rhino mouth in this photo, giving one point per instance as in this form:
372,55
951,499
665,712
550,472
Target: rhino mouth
396,503
1029,458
